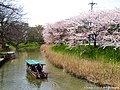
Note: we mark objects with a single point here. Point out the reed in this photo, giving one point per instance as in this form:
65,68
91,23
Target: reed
100,73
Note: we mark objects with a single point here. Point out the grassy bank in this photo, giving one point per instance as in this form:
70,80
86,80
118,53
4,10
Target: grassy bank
29,46
96,72
109,54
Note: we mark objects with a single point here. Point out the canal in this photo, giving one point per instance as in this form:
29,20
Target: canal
13,76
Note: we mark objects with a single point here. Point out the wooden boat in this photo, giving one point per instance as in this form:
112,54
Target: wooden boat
5,56
35,68
9,55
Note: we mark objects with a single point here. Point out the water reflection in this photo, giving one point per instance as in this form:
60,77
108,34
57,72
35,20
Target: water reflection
32,80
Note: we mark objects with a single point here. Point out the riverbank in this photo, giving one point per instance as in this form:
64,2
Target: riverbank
96,72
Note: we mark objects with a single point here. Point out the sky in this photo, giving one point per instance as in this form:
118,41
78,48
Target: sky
42,12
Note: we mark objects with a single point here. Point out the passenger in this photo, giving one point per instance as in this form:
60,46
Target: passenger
33,68
39,68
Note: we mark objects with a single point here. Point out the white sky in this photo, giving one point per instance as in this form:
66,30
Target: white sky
50,11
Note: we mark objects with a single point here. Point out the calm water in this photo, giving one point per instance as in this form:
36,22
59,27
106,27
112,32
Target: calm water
13,76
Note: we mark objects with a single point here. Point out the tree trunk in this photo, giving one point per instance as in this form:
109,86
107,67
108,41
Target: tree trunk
3,42
95,43
3,46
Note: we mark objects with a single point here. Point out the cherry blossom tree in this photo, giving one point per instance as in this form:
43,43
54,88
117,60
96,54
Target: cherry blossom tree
101,27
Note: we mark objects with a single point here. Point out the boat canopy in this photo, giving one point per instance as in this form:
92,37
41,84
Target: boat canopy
33,62
9,52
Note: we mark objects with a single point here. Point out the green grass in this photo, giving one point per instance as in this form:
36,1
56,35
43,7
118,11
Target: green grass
107,55
11,47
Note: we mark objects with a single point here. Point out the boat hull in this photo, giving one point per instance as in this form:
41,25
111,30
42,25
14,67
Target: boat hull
9,56
36,75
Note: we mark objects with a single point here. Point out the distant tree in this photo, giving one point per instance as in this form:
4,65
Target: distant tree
17,33
34,34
